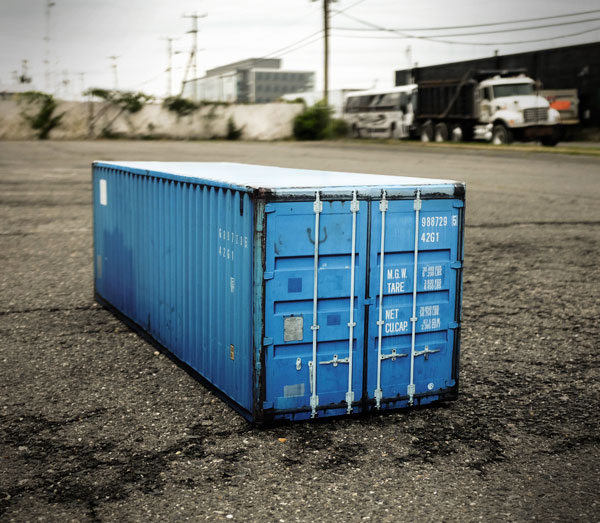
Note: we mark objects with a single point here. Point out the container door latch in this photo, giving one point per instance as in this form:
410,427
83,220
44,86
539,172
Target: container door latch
335,361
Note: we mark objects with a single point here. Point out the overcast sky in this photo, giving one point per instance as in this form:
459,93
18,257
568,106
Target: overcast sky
84,33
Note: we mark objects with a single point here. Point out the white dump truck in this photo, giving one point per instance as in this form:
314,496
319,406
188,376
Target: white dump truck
496,106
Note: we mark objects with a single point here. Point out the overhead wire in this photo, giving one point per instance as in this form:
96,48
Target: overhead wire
440,39
471,43
488,24
320,32
493,31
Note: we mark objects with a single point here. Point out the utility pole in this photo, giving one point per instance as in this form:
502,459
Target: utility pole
169,69
194,52
65,84
115,73
326,57
82,84
326,49
24,78
49,5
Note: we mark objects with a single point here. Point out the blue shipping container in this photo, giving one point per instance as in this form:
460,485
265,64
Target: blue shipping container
293,293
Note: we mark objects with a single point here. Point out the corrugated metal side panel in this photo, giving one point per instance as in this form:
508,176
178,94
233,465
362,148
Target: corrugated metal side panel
176,258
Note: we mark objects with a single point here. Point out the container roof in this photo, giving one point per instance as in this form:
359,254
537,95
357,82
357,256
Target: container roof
278,180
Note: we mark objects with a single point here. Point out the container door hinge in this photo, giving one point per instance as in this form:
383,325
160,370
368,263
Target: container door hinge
458,204
453,325
425,352
269,208
267,341
456,265
268,276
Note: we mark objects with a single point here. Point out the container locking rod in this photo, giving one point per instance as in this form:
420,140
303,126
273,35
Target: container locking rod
354,206
383,207
314,399
411,386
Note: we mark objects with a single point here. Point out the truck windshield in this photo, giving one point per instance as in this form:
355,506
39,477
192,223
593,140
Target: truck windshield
512,90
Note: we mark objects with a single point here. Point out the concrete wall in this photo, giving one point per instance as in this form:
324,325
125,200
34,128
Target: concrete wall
83,120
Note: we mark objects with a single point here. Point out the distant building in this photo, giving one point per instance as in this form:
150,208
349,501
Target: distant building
257,80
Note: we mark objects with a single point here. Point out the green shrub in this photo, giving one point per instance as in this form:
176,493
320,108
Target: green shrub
311,124
180,106
233,132
337,128
127,101
44,120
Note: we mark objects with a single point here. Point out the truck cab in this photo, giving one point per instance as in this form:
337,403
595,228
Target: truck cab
510,107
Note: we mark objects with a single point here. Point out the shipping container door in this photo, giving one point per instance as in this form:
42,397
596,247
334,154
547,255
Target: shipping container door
411,343
293,383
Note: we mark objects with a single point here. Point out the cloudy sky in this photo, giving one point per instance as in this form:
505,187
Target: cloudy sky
84,33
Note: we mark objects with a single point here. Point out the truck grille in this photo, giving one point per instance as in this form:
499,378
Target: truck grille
536,114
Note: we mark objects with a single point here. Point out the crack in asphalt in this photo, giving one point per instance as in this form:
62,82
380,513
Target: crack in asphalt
525,224
50,309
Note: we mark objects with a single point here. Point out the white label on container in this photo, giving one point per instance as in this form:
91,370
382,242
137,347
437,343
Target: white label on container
293,391
293,328
103,193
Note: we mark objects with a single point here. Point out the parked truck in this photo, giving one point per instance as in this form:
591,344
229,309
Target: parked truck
496,106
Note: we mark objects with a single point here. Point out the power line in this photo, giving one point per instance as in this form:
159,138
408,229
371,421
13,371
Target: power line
320,32
476,33
290,48
453,42
444,28
468,43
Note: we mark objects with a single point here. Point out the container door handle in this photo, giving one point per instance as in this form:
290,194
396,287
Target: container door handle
335,361
393,355
426,352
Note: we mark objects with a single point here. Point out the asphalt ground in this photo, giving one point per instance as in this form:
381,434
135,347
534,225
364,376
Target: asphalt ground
95,425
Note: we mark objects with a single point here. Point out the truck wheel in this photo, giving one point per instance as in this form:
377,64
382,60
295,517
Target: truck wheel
501,134
426,133
441,132
456,135
552,140
549,141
